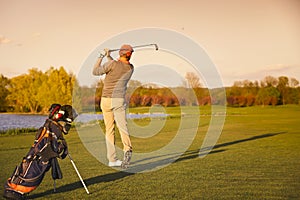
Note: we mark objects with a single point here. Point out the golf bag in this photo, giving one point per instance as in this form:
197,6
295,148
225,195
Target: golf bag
49,144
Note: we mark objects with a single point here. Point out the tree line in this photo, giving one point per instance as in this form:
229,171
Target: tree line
269,91
35,91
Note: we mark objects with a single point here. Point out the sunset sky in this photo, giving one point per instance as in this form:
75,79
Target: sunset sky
244,39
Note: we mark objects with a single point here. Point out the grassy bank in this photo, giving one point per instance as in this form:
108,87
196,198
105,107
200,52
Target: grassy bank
17,131
257,157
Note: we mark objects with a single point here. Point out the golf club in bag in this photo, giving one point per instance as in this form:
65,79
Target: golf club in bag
49,144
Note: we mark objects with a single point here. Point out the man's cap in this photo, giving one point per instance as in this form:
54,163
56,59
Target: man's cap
125,48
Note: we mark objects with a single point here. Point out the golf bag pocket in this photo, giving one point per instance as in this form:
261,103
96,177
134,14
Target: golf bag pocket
27,176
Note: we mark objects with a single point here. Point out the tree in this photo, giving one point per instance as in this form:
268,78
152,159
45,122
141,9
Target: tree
235,90
76,94
134,84
238,84
293,96
250,99
294,82
270,81
283,83
133,89
4,84
36,91
267,96
56,87
195,93
193,80
99,88
135,100
24,91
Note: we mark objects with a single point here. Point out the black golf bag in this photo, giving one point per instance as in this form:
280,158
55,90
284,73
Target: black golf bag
49,144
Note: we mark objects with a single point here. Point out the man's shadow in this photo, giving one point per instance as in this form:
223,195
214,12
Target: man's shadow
216,148
160,161
76,185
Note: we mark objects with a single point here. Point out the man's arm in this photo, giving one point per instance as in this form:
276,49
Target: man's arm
102,69
98,69
109,58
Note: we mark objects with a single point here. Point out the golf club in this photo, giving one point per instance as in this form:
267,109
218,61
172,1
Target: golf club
78,174
138,46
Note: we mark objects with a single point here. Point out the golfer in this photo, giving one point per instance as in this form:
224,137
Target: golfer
117,74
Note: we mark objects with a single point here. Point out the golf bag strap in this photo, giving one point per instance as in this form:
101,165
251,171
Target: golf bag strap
41,133
30,179
65,151
56,171
57,124
58,143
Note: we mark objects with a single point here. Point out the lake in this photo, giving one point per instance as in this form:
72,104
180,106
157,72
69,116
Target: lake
14,121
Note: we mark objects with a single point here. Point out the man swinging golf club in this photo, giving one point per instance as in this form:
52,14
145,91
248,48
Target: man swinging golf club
118,72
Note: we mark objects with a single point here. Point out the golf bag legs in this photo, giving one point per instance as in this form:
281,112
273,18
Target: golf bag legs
13,195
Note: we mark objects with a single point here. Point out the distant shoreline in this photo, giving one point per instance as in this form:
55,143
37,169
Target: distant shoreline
20,113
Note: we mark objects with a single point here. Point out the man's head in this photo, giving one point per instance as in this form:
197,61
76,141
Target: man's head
126,51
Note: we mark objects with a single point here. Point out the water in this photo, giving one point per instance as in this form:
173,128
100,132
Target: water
14,121
90,117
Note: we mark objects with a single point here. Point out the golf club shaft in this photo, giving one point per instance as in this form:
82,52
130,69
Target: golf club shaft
54,186
138,46
78,174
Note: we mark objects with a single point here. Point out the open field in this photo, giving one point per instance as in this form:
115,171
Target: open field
257,157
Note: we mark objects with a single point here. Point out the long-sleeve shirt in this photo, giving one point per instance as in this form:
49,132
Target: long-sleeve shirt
117,76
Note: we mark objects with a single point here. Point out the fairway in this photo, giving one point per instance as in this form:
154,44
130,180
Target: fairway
256,157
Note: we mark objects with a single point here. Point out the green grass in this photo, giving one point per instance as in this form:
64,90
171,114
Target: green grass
17,131
257,157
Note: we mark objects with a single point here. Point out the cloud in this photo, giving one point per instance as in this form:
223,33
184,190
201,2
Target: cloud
4,40
273,70
278,68
36,34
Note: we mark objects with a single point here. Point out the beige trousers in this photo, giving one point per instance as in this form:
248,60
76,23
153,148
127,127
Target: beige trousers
114,112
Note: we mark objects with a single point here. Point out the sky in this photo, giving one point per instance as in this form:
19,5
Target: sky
244,39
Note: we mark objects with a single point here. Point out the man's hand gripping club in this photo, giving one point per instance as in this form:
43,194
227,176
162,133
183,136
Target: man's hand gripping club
104,52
